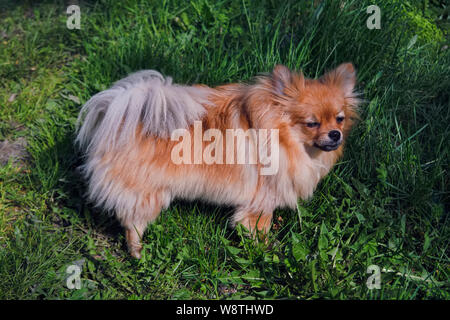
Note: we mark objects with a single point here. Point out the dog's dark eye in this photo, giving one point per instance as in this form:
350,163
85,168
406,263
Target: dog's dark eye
339,119
312,124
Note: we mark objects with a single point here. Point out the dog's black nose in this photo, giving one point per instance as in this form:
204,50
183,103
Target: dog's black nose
334,135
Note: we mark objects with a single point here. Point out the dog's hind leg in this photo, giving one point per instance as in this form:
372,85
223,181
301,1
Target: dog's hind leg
136,223
133,235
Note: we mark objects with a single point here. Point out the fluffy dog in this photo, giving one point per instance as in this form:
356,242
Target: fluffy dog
136,165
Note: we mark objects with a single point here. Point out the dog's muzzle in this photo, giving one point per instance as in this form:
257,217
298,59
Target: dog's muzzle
328,147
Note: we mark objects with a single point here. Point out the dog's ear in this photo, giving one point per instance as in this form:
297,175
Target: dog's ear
344,77
281,78
285,82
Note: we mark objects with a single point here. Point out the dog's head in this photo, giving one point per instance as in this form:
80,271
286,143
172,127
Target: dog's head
322,109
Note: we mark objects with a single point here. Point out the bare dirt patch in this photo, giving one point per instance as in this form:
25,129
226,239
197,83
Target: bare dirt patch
15,150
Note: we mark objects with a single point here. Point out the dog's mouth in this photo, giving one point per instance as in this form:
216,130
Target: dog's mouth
327,147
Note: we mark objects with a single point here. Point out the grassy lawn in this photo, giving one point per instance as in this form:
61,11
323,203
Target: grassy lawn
386,203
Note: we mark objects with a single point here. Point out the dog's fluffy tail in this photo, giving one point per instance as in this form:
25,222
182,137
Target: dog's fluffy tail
111,117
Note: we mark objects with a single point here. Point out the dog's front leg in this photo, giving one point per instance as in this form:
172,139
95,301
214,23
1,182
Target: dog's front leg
257,222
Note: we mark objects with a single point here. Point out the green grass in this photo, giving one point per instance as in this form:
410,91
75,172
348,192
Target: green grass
386,203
